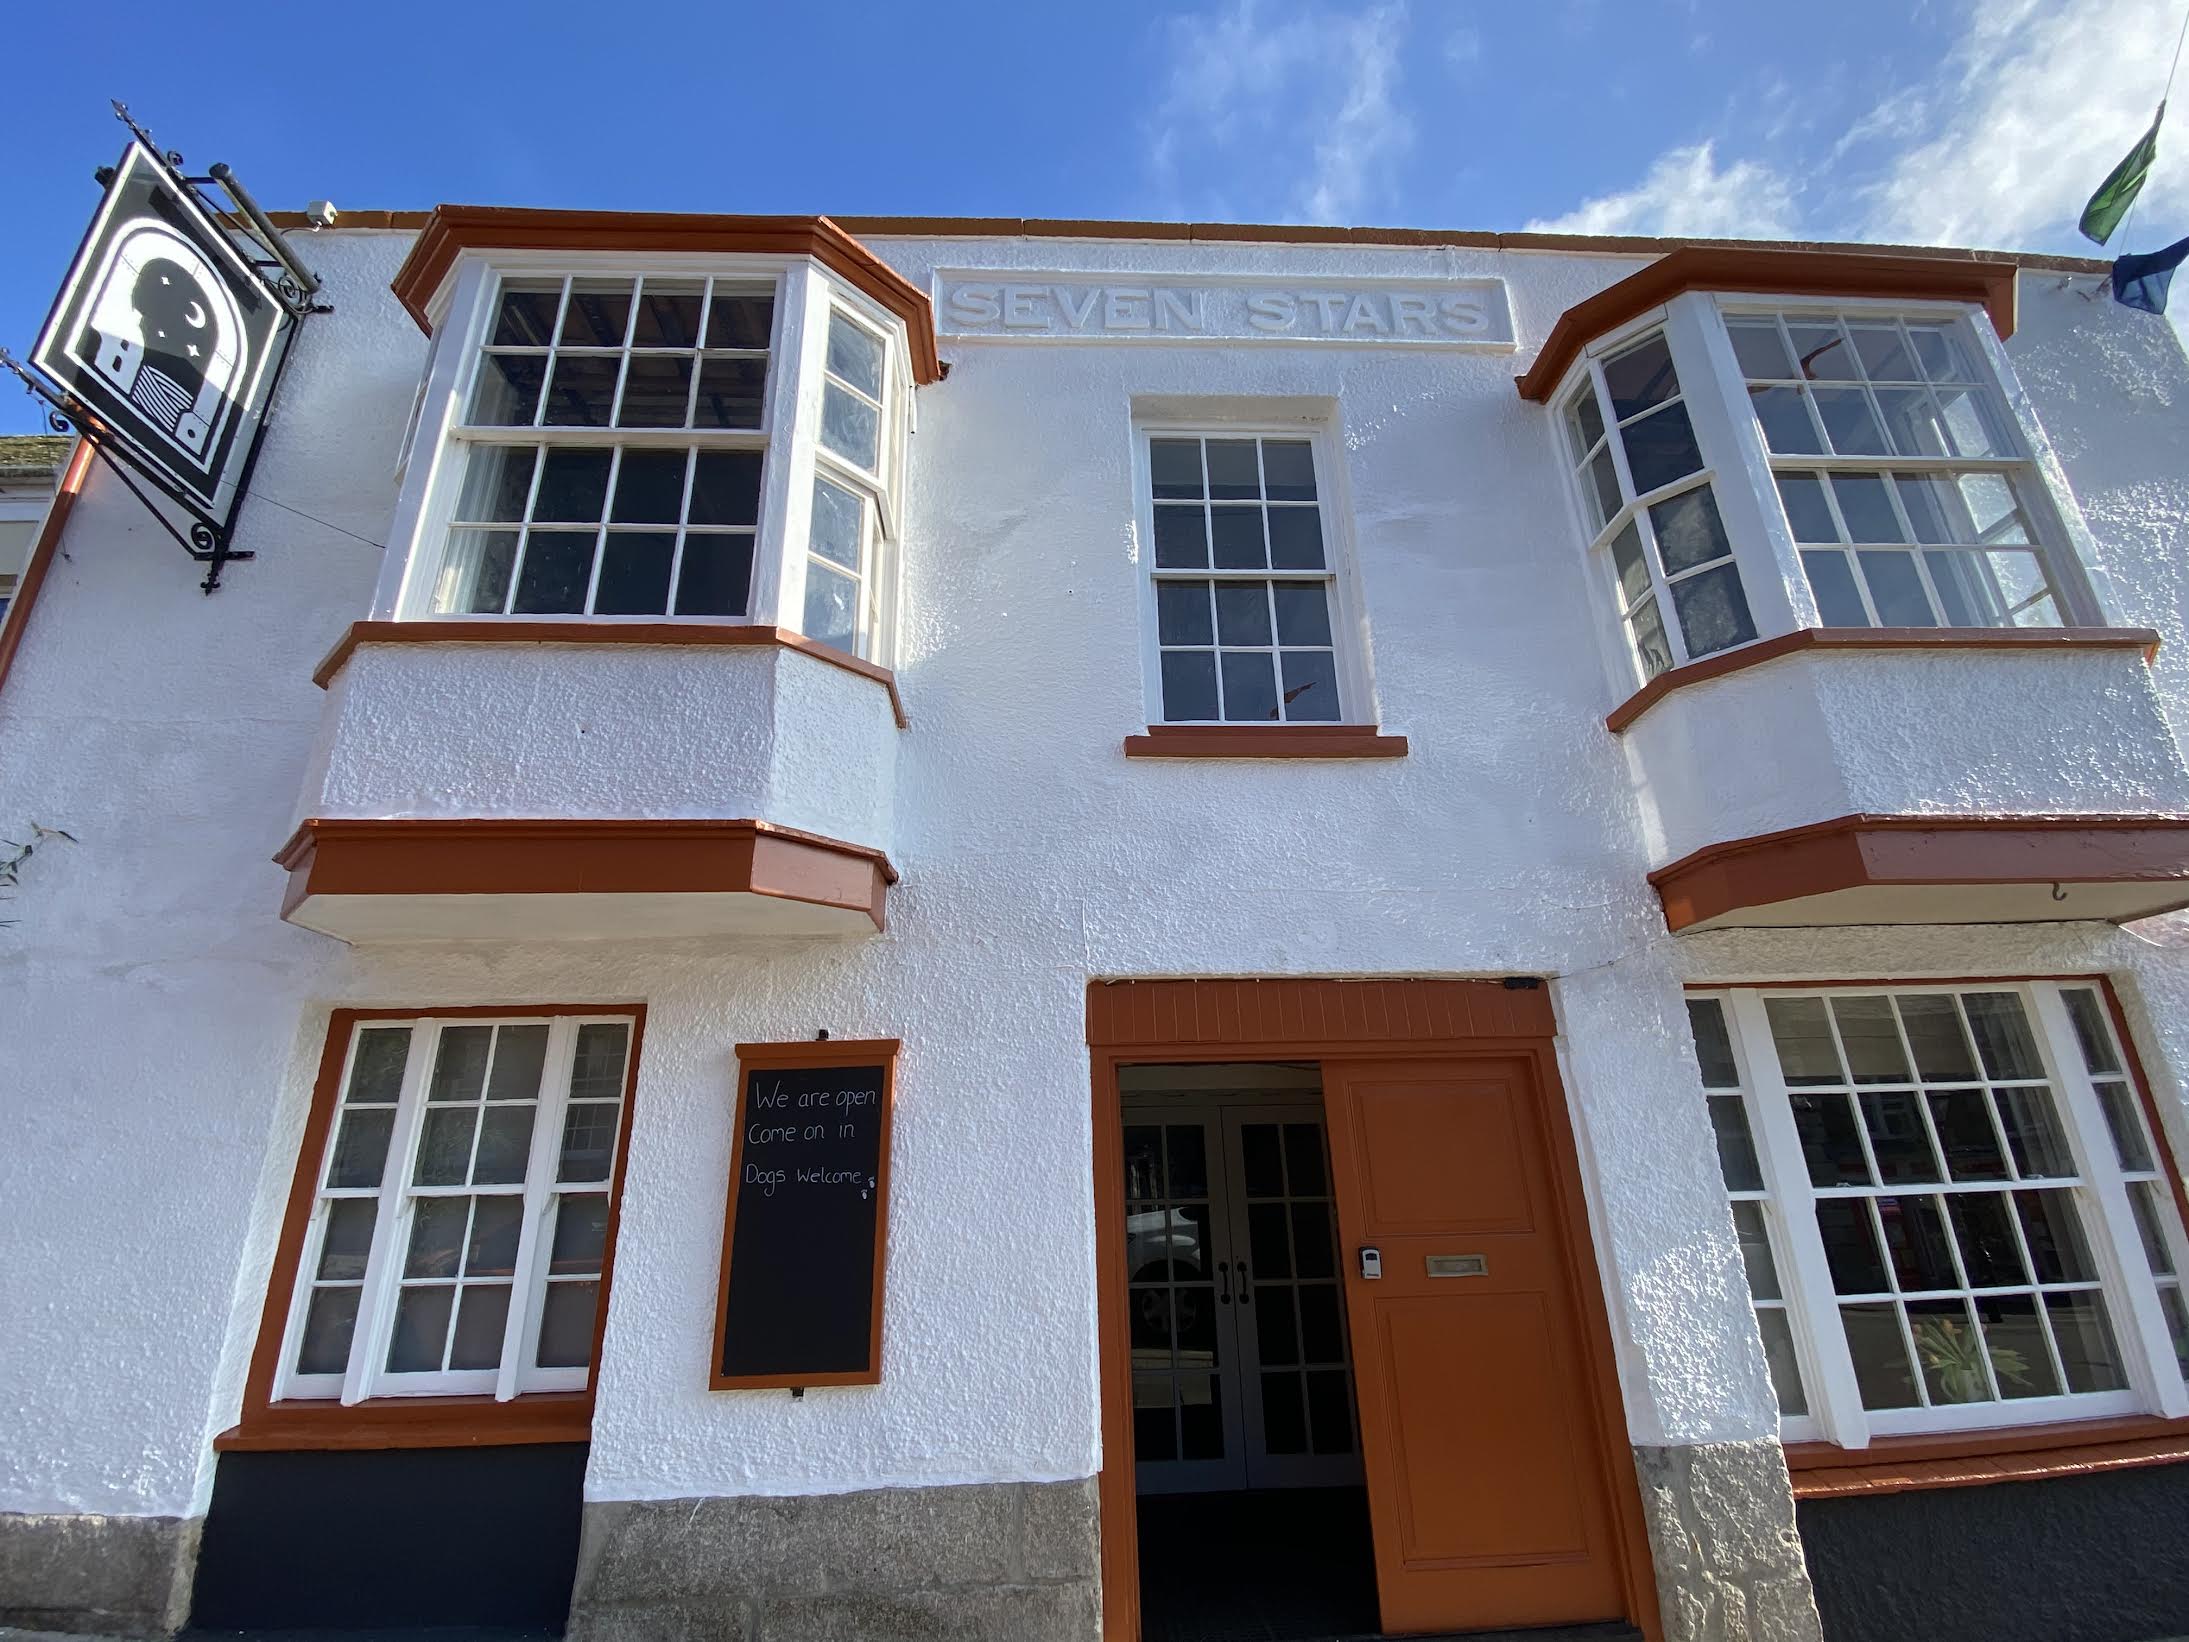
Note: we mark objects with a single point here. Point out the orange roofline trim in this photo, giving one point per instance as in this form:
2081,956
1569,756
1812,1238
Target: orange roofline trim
1967,277
450,230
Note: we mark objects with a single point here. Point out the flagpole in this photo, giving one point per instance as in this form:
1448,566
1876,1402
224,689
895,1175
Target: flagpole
2165,97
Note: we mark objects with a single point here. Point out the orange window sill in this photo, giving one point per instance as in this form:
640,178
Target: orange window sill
1264,741
412,1422
1968,1459
1877,638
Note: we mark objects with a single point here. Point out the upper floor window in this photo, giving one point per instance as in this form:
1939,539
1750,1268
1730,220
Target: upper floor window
1242,581
1950,1206
1646,493
676,445
1898,469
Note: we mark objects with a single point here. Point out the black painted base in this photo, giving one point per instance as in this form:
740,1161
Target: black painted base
453,1539
2098,1558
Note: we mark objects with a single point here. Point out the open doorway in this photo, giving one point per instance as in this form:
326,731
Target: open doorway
1252,1509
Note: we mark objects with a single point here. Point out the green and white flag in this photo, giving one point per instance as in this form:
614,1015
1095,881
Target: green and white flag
2121,186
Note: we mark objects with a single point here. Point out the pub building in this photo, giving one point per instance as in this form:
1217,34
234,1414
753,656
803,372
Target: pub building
989,929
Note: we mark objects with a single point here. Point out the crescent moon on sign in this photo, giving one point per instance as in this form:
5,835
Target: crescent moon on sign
196,317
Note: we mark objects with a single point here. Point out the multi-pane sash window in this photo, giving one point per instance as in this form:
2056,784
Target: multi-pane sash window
460,1227
1243,581
1951,1211
1650,508
846,578
615,429
1898,468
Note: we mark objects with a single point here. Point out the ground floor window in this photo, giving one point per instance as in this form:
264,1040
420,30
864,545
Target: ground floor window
460,1215
1951,1205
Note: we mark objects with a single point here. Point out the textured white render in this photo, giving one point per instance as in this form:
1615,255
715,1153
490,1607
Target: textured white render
163,1025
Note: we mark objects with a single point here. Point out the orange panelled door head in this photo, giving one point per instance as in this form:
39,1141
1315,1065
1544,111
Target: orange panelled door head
1489,1482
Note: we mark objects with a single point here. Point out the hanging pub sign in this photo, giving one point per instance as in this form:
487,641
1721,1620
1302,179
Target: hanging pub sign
165,333
806,1228
168,337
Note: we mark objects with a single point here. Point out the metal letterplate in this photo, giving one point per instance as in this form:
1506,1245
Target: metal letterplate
1458,1265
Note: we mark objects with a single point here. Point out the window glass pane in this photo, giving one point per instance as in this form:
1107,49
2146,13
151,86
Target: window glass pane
1911,424
1182,613
558,564
1627,561
525,317
1713,610
421,1329
1933,1026
1803,1038
1758,347
1832,580
491,1249
850,427
1821,351
1973,424
1916,1243
2151,1216
1250,686
1990,1252
1181,538
329,1323
1807,512
1940,353
566,1325
1883,1373
1303,612
1234,470
1950,1350
347,1239
2055,1233
1867,509
505,1144
474,575
1884,354
582,390
588,1140
1784,416
2003,1035
2033,1134
1296,538
1639,377
2177,1323
1830,1142
657,392
1584,423
732,393
1242,613
1785,1365
437,1237
1174,467
715,576
1603,487
497,482
2122,1120
598,315
444,1146
1871,1039
508,390
740,316
1933,506
1237,535
1850,1246
2084,1334
650,487
1189,686
855,354
1896,588
1763,1272
573,486
1713,1043
360,1149
668,313
725,489
1661,448
1963,1119
1689,531
1310,686
2014,1339
581,1235
832,607
480,1321
2091,1034
838,515
1899,1142
1849,422
1650,644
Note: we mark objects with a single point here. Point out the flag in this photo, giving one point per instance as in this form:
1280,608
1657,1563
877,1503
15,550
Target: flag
2121,186
2141,281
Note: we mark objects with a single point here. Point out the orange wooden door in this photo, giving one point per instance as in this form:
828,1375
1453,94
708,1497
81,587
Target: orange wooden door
1487,1480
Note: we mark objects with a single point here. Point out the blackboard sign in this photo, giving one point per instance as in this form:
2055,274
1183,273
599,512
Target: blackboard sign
807,1222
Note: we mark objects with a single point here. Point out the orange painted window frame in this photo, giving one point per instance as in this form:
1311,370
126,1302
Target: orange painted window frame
266,1423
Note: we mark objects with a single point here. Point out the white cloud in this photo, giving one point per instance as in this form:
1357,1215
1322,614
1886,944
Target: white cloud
2035,106
1295,90
1687,194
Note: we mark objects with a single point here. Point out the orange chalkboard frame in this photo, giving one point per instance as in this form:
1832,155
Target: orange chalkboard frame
752,1057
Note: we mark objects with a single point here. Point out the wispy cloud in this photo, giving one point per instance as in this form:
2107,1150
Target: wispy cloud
1299,97
1686,192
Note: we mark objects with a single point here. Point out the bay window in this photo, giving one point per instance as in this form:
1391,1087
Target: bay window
625,444
1951,1207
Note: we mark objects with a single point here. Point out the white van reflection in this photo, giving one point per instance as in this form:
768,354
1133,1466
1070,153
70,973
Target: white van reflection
1163,1246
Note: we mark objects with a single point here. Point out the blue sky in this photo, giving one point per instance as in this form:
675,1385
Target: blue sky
1981,122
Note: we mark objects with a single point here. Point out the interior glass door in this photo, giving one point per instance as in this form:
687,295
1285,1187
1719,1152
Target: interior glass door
1242,1374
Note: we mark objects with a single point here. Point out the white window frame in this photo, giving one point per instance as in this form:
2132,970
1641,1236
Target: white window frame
1836,1413
2053,536
878,489
1340,567
367,1377
433,465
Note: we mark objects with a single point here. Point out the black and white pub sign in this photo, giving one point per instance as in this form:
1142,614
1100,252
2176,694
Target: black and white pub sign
165,333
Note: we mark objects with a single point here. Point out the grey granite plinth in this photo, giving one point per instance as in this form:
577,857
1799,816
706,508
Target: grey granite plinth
1721,1531
993,1562
96,1575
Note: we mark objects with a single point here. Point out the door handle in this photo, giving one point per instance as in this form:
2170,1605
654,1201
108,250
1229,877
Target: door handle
1223,1282
1246,1295
1371,1262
